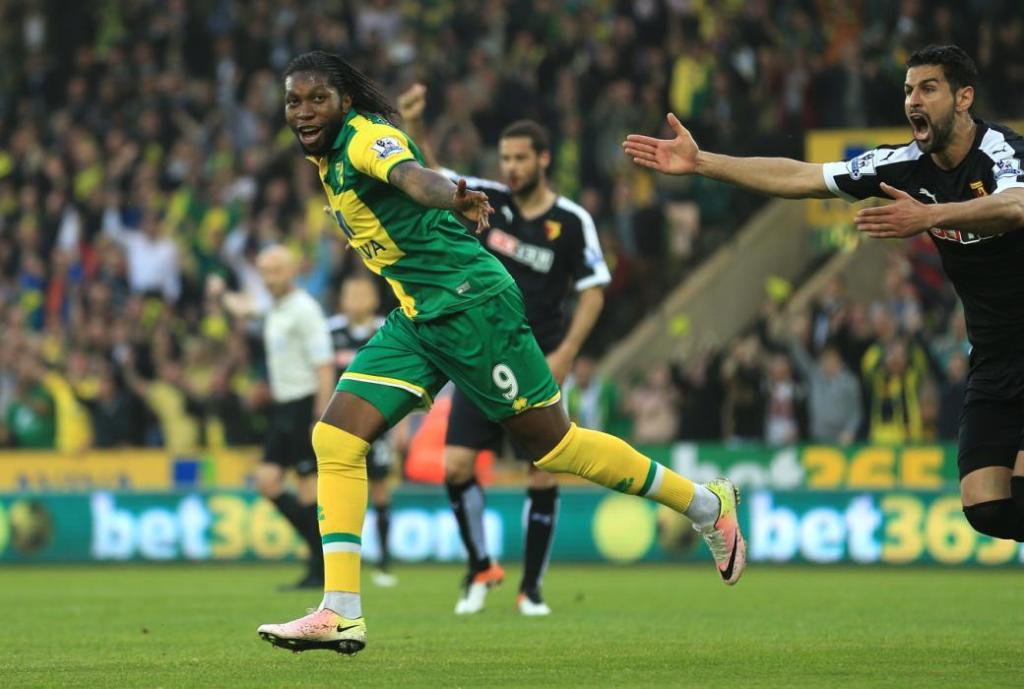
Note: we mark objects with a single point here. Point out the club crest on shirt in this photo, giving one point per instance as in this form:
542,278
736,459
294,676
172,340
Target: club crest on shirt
552,228
387,147
863,164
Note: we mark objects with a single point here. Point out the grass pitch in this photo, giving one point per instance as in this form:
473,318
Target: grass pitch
652,626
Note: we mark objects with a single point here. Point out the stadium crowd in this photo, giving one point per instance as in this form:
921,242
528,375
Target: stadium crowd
884,372
142,150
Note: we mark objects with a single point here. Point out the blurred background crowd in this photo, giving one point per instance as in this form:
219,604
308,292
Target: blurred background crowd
845,371
143,149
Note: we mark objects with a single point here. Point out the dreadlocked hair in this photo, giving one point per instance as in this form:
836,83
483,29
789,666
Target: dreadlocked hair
366,97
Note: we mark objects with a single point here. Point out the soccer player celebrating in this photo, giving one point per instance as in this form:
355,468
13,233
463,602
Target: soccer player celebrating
960,180
351,328
461,317
547,243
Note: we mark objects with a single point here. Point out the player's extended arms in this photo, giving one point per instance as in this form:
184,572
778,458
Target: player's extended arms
426,187
434,190
907,216
782,177
785,177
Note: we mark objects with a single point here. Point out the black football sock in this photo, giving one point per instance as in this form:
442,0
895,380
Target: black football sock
468,504
289,506
304,519
996,518
1017,493
311,533
541,513
383,528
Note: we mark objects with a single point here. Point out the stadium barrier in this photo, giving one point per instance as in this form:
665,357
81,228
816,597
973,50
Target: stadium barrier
820,467
808,466
879,526
812,504
125,470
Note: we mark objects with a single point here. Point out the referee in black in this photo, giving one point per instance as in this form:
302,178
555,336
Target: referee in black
300,371
960,180
549,245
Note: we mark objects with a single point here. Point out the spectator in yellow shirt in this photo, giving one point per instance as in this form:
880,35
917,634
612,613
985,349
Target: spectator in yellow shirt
168,402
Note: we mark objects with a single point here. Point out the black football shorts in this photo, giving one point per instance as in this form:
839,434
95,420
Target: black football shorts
992,419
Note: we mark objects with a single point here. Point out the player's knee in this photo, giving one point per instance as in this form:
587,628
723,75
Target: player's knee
996,518
339,452
539,432
459,463
565,458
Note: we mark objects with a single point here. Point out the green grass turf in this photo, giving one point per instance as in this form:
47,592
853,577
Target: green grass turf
651,626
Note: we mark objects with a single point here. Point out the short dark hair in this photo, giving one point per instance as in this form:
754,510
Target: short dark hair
957,65
528,129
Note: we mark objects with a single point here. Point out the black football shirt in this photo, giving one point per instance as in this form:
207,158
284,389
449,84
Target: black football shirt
546,255
348,338
986,271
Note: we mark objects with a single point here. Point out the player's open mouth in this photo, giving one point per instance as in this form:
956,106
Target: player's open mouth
921,126
308,135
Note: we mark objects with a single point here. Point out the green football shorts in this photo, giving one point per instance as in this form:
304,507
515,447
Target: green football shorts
488,351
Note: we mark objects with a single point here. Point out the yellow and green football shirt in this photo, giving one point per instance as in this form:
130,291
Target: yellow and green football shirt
434,266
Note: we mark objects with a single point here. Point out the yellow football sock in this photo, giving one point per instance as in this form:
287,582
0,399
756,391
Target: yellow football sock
341,503
613,463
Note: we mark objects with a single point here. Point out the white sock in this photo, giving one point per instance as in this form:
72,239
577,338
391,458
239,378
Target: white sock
704,508
345,604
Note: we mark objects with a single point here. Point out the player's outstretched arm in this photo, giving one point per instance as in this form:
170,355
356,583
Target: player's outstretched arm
906,216
782,177
434,190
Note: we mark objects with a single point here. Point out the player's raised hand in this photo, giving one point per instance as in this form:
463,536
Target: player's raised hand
676,156
412,103
905,217
474,205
